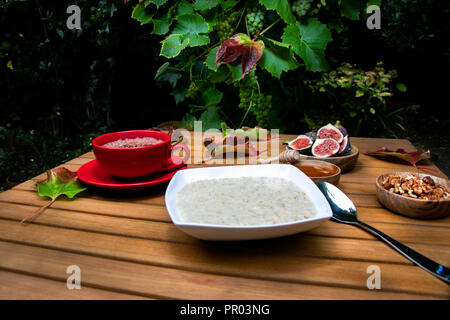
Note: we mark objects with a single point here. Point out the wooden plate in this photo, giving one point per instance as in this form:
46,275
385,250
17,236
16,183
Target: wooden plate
415,208
346,163
333,178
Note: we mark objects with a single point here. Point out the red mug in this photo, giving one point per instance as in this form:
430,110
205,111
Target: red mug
138,161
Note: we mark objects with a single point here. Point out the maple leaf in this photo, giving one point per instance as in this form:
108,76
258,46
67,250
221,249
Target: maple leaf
402,155
59,181
240,45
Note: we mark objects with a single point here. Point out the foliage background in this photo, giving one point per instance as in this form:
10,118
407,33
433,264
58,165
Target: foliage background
59,88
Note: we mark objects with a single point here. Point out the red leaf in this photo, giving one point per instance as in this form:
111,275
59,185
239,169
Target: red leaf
240,45
402,155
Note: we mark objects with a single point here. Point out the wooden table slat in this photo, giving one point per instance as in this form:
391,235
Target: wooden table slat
128,248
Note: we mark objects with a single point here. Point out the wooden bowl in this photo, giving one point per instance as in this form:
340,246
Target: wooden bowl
346,163
415,208
332,178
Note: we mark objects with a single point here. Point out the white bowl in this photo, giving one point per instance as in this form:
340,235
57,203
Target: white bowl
253,232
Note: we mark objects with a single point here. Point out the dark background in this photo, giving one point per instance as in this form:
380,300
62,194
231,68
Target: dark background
66,87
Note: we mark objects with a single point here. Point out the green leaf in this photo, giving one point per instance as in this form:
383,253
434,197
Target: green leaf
277,57
188,121
184,8
211,58
162,69
351,8
161,26
236,71
196,40
282,7
169,74
401,87
309,41
211,118
140,14
172,45
228,3
179,94
60,181
157,3
212,97
220,75
191,24
205,4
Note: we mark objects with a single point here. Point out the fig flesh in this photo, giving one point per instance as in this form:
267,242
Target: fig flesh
323,148
330,131
301,143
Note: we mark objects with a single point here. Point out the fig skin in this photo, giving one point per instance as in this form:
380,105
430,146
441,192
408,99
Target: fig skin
347,147
341,128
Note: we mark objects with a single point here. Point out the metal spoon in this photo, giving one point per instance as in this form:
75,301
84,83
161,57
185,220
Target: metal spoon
344,211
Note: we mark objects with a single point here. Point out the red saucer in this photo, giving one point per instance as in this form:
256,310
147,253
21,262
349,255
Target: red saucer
91,173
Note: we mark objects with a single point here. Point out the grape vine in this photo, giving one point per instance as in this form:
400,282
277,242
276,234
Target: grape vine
251,99
301,7
225,27
255,20
194,31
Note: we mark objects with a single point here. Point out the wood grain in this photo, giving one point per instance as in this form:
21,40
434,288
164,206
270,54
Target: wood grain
128,248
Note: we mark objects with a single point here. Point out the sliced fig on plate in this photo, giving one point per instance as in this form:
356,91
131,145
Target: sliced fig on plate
330,131
345,146
301,143
324,148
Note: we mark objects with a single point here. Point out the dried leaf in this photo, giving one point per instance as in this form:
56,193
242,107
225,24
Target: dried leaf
230,144
400,154
59,181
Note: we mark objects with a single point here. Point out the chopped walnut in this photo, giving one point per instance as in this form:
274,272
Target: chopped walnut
413,186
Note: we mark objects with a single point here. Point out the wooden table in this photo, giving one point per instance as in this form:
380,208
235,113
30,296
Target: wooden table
127,248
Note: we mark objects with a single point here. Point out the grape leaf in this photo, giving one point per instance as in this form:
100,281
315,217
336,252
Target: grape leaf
196,40
59,181
402,155
228,3
191,24
184,8
169,74
309,41
240,45
140,14
212,97
211,58
161,26
282,7
351,8
172,45
210,118
277,57
205,4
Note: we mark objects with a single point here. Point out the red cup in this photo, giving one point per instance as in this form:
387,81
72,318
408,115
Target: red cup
135,162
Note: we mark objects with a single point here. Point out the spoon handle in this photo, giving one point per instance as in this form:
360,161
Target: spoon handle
432,267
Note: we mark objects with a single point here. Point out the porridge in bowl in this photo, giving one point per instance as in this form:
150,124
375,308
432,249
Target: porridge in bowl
243,201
